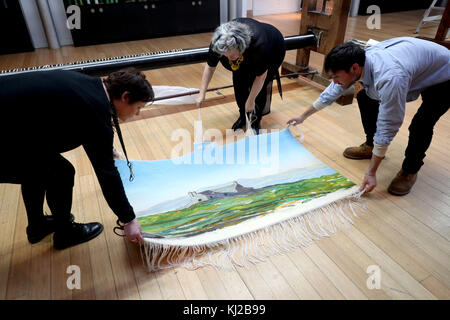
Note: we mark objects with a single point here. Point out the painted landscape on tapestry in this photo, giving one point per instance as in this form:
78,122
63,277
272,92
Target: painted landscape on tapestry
182,198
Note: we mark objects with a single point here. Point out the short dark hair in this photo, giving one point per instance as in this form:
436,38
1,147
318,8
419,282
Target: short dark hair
131,80
343,56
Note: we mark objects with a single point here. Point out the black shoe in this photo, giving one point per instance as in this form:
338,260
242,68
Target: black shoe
240,122
76,233
36,233
256,126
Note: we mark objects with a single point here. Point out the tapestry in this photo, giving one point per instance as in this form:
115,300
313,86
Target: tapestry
227,205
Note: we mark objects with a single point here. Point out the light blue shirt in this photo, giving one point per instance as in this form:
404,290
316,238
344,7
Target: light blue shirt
396,71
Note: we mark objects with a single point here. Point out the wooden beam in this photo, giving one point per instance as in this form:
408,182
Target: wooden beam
441,34
331,26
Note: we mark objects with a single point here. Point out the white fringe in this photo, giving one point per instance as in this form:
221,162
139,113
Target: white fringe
256,246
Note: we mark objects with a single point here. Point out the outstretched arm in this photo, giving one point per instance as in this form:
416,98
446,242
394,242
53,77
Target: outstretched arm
99,151
208,73
327,97
297,120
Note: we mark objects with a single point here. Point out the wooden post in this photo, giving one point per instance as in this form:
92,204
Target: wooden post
330,29
442,31
441,34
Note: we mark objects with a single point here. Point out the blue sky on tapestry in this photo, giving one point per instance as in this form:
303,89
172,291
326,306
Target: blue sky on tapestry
164,184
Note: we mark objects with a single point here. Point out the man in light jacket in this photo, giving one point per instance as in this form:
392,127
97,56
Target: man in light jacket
392,73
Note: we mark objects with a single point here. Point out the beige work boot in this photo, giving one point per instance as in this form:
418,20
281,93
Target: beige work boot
402,183
362,152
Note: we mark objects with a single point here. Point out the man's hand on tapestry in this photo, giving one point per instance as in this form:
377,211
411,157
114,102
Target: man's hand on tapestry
298,120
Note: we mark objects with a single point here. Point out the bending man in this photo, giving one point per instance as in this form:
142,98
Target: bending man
392,72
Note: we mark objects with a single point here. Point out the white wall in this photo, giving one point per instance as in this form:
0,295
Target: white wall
35,26
223,11
59,16
34,23
236,9
263,7
354,8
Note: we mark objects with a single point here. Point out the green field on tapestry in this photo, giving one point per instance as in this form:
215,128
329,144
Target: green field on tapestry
216,214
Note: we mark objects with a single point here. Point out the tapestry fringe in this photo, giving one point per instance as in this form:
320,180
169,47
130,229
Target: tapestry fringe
257,246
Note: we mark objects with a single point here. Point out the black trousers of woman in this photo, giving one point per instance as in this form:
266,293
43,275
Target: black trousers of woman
435,103
243,83
50,177
243,80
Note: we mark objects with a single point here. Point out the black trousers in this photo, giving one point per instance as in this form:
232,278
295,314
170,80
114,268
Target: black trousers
51,177
243,82
435,103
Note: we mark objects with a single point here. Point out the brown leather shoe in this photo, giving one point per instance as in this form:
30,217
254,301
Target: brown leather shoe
402,183
362,152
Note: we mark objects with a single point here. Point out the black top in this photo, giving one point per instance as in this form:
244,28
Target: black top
49,112
266,49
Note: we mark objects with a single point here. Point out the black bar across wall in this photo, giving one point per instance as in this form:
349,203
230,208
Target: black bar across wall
151,60
182,57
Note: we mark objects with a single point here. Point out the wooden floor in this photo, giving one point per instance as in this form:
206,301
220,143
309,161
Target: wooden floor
407,237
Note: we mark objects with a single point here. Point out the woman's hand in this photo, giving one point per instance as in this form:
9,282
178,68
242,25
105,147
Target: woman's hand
133,231
206,78
297,120
200,99
249,105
